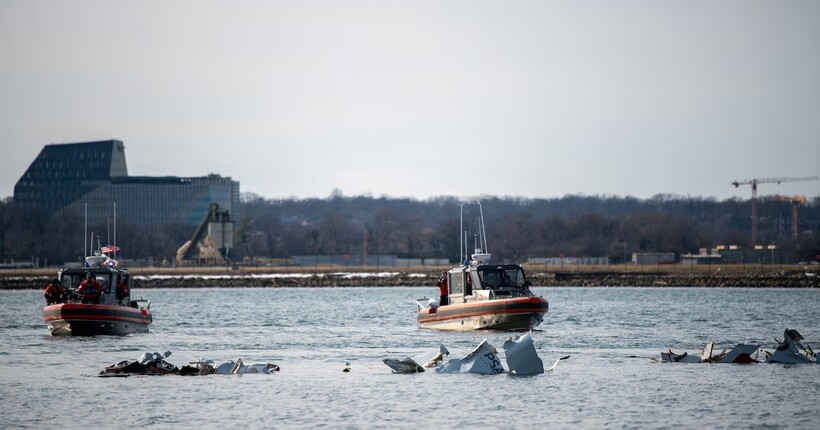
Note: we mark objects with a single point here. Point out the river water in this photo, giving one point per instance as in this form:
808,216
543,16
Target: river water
608,382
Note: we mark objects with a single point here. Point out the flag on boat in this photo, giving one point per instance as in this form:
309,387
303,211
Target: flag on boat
109,248
110,262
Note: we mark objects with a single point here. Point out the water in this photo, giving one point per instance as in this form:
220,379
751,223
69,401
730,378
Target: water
609,381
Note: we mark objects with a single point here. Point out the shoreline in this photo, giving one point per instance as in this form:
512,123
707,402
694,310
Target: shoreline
426,277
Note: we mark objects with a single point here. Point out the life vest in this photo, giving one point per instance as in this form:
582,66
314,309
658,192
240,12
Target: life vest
122,291
89,288
90,291
442,284
53,293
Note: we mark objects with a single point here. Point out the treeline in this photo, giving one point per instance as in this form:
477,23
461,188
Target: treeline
517,228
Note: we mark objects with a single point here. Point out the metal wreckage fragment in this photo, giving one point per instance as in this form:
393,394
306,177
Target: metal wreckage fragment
789,351
520,354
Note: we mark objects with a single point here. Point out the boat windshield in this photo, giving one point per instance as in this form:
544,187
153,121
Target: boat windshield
501,277
73,280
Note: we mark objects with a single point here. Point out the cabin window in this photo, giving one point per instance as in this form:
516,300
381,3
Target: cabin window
456,283
515,277
105,282
475,280
75,281
491,279
494,278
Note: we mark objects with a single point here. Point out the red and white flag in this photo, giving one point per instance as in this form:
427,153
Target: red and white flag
109,248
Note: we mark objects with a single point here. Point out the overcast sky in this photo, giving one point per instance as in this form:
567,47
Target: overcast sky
423,98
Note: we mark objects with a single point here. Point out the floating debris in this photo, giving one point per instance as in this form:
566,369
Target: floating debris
153,363
556,363
404,365
788,351
410,365
482,360
741,353
521,357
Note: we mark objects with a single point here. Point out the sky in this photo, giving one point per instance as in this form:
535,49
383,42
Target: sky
422,98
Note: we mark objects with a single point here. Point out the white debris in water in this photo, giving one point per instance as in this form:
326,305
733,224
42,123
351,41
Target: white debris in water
521,356
483,360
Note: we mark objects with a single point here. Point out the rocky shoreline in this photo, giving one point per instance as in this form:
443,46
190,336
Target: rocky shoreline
749,280
779,279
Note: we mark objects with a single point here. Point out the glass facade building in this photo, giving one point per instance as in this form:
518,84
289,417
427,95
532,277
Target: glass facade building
74,176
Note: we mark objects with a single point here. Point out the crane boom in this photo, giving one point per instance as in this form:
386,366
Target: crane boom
773,180
754,182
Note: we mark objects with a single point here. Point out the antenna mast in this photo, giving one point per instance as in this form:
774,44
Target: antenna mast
483,231
461,236
85,232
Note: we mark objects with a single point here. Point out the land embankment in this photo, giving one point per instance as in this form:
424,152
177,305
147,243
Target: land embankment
726,276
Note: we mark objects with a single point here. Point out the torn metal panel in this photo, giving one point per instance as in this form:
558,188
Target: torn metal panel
482,360
521,356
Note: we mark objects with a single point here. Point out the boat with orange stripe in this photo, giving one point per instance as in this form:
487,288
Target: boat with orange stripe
479,295
110,311
78,319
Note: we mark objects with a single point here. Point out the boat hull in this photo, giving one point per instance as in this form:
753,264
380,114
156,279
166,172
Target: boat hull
75,319
515,314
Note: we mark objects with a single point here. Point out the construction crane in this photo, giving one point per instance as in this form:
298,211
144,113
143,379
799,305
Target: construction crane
795,201
754,182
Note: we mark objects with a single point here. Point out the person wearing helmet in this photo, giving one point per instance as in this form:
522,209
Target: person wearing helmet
54,292
90,289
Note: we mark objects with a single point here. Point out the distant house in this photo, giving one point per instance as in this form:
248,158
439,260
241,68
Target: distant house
653,257
773,255
64,178
577,261
700,259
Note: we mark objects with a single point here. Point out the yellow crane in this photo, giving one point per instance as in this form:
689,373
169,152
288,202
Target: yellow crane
795,201
754,182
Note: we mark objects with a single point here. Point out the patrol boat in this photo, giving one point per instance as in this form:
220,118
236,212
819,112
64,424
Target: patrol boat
113,315
483,296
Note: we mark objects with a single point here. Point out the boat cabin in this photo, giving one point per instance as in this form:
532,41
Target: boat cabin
486,281
107,277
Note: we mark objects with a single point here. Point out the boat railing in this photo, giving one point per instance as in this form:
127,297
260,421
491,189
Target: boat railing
141,304
425,303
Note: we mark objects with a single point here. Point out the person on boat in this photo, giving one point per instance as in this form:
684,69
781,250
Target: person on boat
90,289
54,292
122,291
442,287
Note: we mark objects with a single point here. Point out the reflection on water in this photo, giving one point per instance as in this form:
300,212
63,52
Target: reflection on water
609,380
